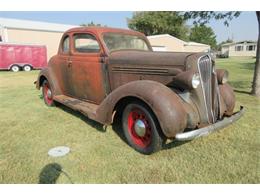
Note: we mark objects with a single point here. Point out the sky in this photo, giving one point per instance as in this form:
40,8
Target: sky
240,29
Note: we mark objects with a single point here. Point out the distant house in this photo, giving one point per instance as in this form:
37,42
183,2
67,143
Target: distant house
166,42
33,32
243,48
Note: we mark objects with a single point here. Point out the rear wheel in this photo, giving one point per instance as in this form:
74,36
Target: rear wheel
141,128
27,68
47,94
15,68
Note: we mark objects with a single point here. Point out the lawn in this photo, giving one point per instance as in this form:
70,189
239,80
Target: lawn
28,129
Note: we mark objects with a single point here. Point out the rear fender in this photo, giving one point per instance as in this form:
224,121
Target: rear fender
46,74
165,104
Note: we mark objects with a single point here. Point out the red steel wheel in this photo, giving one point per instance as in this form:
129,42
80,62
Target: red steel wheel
141,128
47,94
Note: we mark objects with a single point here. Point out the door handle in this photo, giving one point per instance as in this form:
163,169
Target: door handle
69,63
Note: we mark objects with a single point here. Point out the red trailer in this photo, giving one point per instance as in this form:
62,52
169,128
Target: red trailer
17,57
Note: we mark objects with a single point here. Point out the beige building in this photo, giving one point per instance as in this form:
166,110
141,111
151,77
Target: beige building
166,42
243,48
33,32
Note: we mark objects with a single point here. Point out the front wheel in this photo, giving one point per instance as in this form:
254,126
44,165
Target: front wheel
141,128
47,94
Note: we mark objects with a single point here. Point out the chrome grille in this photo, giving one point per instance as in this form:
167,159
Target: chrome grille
209,87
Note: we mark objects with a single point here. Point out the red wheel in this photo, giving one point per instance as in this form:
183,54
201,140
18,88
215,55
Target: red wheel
47,94
141,128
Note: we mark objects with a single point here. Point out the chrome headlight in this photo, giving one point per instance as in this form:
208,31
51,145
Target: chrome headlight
195,80
222,76
225,77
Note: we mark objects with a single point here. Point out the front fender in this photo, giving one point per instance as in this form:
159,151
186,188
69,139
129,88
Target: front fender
165,104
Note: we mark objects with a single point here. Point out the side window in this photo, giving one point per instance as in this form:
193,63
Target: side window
86,43
66,45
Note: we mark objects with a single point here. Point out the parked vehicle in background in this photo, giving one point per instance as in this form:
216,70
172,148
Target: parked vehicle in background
107,72
17,57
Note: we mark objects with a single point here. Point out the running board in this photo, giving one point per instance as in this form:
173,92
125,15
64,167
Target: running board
86,108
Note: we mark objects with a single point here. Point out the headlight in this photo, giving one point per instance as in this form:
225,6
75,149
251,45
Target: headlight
195,80
225,77
222,76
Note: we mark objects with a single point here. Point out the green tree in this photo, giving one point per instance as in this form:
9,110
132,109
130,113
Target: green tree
159,22
203,34
203,17
93,24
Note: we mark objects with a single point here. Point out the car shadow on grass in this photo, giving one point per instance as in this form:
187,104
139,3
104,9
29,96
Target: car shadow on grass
84,118
51,172
116,127
174,144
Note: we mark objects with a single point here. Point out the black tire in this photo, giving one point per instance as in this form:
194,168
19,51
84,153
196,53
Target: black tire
15,68
27,68
48,99
144,144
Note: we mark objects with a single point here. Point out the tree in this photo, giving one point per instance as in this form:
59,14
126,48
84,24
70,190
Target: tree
203,34
203,17
159,22
93,24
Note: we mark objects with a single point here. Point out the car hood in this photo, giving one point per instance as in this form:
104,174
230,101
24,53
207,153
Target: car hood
149,58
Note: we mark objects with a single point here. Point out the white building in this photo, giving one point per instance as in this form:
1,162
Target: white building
33,32
243,48
166,42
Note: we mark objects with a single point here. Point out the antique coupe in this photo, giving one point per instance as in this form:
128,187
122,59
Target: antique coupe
101,72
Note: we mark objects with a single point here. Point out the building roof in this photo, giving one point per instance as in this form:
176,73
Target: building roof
172,37
240,42
165,35
195,44
34,25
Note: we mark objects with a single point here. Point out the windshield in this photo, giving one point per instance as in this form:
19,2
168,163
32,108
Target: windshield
119,41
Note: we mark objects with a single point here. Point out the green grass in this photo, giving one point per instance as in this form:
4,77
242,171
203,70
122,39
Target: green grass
28,129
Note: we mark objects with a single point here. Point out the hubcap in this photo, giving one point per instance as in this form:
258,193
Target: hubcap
139,128
49,93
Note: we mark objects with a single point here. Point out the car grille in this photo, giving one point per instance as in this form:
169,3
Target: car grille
209,87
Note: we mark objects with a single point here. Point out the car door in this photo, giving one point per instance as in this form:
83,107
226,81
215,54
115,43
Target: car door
87,68
62,68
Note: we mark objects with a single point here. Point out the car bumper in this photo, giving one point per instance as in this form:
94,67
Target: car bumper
190,135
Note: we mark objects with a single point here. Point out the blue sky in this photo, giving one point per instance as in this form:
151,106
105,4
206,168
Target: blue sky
242,28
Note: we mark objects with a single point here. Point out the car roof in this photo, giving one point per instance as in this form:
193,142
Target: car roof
100,30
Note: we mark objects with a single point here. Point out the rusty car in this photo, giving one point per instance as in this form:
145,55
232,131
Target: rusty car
106,72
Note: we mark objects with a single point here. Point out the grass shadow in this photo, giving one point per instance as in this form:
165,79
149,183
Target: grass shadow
84,118
174,144
41,96
240,91
117,127
50,173
240,84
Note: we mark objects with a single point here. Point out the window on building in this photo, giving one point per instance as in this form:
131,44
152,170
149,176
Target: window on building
239,48
86,43
251,47
66,45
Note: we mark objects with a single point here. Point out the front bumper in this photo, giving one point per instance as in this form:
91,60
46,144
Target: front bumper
206,130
